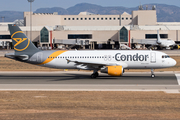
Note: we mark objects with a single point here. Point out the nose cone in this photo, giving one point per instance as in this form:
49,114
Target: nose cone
173,62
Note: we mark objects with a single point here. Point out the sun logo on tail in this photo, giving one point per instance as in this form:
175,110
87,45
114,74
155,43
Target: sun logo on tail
20,43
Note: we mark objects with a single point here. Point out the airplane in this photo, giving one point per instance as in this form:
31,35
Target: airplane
161,44
112,62
165,43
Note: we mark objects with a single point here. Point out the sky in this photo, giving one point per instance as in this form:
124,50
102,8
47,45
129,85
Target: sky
24,5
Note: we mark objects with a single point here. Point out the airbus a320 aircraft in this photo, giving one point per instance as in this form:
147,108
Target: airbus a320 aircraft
112,62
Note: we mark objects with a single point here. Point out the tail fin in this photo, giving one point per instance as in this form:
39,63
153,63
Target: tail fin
158,37
21,44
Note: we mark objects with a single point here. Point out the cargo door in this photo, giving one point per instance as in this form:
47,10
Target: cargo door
39,57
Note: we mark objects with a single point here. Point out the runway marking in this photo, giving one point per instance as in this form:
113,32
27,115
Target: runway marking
178,78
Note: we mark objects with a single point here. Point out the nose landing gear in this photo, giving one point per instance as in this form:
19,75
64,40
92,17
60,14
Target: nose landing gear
152,73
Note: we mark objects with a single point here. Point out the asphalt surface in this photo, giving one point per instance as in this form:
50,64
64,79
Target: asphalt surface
84,78
81,81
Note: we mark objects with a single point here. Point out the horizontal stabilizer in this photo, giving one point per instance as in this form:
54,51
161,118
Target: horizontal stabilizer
18,57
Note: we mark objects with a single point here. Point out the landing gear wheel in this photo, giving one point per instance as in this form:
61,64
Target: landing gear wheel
95,75
152,75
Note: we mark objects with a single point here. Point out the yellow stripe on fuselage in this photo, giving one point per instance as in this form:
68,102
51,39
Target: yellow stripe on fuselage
52,57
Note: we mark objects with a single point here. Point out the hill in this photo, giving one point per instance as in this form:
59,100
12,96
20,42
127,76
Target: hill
165,13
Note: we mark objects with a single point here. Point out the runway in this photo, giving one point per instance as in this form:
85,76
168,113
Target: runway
81,81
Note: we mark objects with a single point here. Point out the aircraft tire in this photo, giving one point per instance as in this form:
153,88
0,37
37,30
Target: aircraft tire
93,76
153,76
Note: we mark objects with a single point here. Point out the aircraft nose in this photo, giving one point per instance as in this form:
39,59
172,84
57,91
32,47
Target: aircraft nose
173,62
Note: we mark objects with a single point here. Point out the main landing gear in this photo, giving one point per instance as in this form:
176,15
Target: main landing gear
95,74
152,73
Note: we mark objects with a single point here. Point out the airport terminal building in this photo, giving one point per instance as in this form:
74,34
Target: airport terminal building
92,31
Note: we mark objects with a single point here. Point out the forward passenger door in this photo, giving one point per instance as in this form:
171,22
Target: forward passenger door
153,57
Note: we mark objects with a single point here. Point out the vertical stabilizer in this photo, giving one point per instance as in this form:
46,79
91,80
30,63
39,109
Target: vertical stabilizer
22,45
158,37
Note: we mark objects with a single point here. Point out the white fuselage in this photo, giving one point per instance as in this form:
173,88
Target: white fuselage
128,59
167,43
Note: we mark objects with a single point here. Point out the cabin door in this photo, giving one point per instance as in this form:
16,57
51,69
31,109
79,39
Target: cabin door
153,57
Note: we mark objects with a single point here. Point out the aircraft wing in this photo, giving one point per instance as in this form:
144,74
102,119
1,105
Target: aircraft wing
98,64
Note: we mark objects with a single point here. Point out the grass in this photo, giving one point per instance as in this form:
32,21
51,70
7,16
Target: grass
89,105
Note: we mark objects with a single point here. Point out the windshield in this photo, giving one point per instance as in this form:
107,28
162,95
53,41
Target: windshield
165,56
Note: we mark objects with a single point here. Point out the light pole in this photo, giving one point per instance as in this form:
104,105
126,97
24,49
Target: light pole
30,18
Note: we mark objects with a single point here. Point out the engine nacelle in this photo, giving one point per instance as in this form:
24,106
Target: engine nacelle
113,70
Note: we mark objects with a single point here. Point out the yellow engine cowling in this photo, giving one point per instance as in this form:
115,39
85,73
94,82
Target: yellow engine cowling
178,46
113,70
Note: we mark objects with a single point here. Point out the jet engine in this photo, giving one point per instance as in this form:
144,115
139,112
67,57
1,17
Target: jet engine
113,70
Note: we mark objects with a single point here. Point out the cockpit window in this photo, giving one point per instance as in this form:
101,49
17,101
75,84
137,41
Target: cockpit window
165,56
